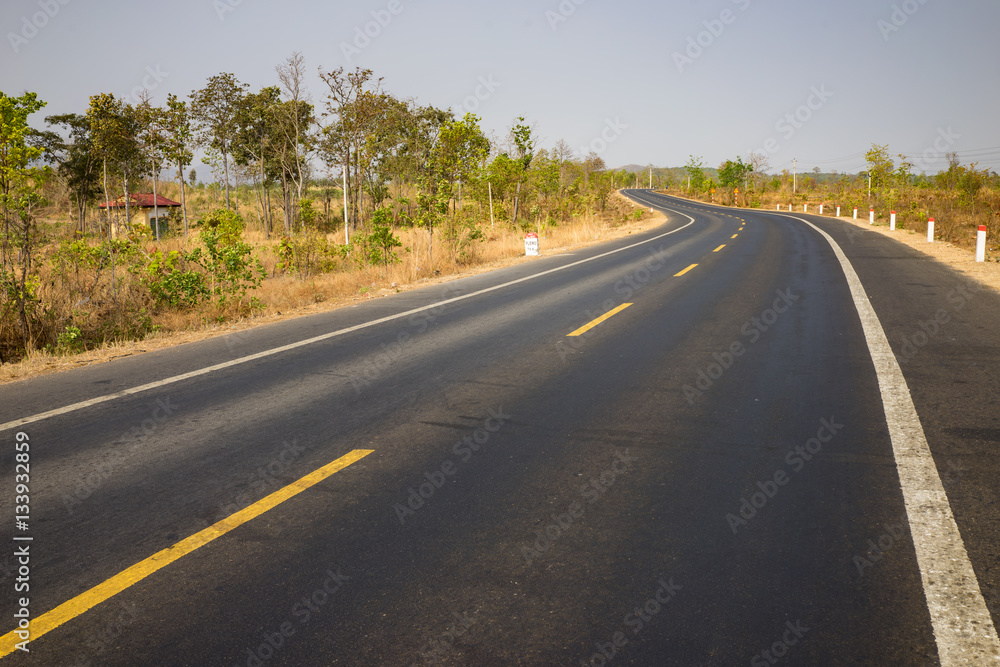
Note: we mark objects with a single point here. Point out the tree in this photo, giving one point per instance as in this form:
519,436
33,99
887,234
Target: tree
152,123
563,154
880,167
291,149
524,146
696,173
735,174
76,160
461,150
501,177
253,144
177,147
545,174
295,117
382,241
342,139
19,197
214,109
115,128
418,132
758,165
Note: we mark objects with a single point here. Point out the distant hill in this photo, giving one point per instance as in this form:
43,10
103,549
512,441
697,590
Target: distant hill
635,168
672,171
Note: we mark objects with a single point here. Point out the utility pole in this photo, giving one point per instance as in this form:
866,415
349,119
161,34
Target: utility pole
347,236
493,223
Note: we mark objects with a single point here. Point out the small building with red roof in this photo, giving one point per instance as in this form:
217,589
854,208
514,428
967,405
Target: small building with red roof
145,205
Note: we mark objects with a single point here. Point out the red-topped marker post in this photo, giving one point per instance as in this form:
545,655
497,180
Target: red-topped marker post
531,245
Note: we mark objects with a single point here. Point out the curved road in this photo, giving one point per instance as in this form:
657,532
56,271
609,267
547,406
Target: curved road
710,475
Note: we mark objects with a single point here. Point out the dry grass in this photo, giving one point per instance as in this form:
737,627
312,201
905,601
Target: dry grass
954,222
289,296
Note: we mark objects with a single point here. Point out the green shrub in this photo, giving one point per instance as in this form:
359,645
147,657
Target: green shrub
172,283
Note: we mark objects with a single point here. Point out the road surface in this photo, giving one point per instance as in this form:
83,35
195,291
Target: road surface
706,473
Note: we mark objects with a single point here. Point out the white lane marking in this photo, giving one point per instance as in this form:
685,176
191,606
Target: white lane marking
963,627
285,348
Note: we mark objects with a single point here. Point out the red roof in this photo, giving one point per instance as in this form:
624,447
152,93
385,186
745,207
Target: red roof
141,200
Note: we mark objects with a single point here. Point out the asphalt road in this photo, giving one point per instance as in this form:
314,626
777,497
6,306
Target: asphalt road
706,477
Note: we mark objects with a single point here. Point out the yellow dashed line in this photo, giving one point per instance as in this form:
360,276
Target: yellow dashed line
611,313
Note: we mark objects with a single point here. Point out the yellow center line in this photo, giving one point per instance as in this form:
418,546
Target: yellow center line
611,313
87,600
678,275
719,248
735,235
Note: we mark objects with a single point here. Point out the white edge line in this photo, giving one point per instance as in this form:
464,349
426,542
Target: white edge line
17,423
963,627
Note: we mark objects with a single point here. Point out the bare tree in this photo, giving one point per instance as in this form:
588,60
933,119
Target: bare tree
342,141
758,164
295,118
563,154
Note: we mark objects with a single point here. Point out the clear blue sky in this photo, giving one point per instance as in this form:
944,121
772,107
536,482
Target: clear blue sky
928,73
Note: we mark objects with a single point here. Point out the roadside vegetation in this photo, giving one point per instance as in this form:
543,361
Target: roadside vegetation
264,226
960,198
